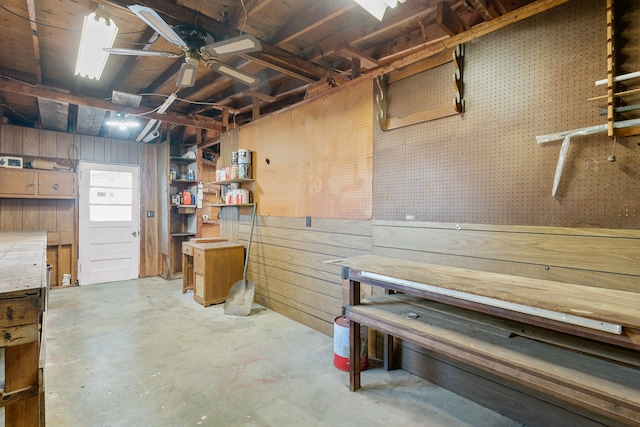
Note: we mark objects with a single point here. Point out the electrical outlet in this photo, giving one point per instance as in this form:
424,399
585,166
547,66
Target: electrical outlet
308,223
149,214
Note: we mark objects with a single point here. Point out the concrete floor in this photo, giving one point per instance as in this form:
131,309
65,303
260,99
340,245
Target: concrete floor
140,353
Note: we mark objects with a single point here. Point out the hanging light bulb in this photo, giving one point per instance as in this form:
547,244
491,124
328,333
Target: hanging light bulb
122,123
98,31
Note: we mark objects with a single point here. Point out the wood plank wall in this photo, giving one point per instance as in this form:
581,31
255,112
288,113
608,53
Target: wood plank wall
594,257
57,216
287,264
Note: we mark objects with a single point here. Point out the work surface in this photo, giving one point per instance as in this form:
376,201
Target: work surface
604,305
22,260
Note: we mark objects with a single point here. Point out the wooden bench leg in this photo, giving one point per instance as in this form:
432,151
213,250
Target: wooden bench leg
354,339
22,370
388,359
354,355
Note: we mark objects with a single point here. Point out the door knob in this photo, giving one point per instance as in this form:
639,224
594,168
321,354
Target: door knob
134,234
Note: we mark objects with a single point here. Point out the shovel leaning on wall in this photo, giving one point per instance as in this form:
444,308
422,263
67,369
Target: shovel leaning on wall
240,298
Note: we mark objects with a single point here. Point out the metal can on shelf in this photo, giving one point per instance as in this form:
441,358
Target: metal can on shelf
244,157
234,158
244,171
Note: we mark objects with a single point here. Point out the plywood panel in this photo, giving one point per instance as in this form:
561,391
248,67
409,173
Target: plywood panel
315,159
485,166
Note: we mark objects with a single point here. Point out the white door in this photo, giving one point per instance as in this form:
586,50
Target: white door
109,217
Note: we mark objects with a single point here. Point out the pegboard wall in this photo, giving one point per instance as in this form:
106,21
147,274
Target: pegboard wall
315,159
484,166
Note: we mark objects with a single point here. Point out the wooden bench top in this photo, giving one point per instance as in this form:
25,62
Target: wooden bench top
602,305
23,264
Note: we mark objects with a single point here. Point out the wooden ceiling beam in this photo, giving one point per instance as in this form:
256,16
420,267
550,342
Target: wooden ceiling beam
34,91
310,19
164,78
270,56
481,7
35,38
449,21
367,62
237,14
148,37
367,29
474,32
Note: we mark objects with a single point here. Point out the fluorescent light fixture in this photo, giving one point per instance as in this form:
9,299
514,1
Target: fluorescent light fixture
227,70
154,20
378,7
187,75
167,103
162,109
98,31
241,44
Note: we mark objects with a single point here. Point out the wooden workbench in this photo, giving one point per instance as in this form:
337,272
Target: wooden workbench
23,292
485,321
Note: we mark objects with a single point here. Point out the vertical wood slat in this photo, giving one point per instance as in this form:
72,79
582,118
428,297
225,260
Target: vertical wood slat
11,214
86,146
48,144
11,139
149,202
30,215
31,142
66,147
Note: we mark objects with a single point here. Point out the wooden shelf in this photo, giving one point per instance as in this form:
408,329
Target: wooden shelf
182,160
182,234
184,181
232,181
224,205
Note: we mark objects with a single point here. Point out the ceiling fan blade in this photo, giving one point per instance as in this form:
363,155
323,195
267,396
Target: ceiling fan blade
138,52
244,43
154,20
232,72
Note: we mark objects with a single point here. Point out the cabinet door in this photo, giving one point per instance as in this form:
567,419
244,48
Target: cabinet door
57,184
17,183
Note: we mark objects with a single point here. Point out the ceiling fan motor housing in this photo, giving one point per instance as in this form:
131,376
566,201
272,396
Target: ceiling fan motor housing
194,37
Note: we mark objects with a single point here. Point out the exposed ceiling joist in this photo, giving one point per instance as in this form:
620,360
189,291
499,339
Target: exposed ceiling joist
270,56
25,89
31,7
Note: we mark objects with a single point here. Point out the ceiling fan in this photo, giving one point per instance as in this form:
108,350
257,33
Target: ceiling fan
197,45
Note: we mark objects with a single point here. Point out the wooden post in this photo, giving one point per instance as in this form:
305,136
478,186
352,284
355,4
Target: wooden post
354,339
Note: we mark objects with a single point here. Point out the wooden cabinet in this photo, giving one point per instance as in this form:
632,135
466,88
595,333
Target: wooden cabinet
187,260
30,183
216,267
